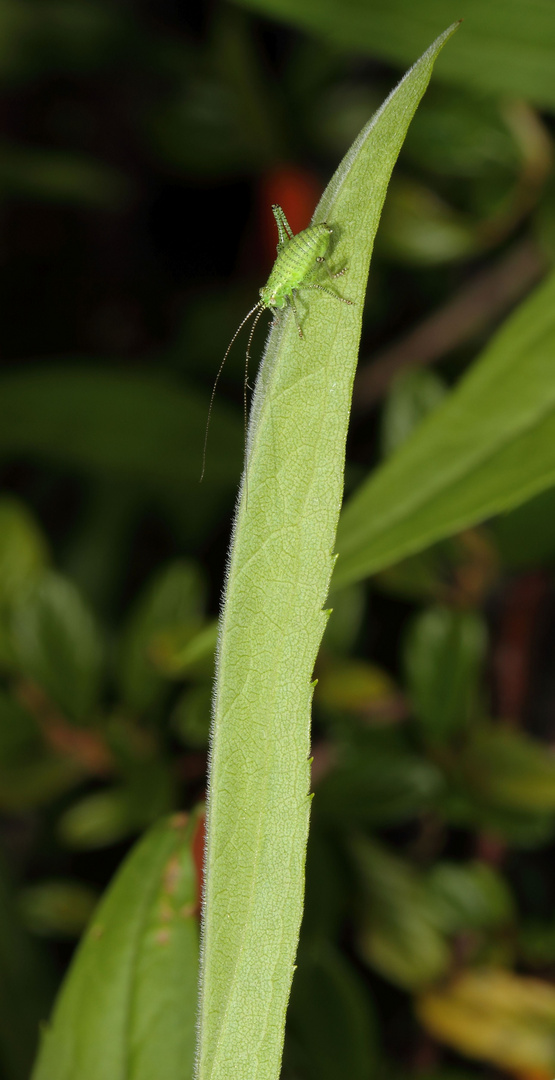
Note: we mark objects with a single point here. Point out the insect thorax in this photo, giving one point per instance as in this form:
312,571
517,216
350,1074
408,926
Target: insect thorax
296,260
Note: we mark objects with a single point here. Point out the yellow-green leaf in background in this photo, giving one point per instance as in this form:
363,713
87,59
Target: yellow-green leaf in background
495,1016
509,769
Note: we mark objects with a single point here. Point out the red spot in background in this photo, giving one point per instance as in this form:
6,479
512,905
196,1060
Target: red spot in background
297,191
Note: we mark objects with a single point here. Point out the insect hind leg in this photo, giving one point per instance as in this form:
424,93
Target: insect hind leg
285,231
329,292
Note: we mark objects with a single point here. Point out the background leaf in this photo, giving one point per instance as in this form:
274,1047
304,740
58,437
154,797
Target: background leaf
490,446
413,395
172,603
377,781
129,1001
26,988
58,645
401,936
144,428
331,1024
444,654
501,50
496,1016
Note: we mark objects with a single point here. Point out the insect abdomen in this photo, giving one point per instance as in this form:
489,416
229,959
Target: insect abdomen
295,261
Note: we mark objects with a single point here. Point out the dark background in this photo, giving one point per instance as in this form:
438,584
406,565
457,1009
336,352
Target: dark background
143,145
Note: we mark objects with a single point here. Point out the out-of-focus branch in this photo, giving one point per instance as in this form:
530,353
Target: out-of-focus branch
479,303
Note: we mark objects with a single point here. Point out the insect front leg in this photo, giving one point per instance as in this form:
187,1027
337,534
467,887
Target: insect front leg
296,314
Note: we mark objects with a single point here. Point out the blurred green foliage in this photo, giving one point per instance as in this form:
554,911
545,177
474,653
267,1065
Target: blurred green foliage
143,145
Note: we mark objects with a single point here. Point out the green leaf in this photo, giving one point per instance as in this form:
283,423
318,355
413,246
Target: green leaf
469,896
38,782
400,933
173,601
331,1027
420,228
23,553
57,645
141,427
176,654
505,46
328,887
128,1005
420,577
272,625
441,1074
536,942
26,989
495,1016
377,783
54,175
444,654
57,908
31,774
526,536
59,37
519,827
459,570
20,734
463,134
488,447
349,607
355,686
97,820
413,395
502,782
23,556
191,716
509,769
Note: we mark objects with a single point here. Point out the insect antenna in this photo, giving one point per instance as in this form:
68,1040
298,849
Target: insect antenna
220,369
247,358
245,387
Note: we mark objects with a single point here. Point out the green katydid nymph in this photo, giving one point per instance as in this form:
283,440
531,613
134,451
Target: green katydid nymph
299,257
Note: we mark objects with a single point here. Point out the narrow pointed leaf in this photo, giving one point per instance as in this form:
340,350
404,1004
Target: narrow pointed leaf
272,624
